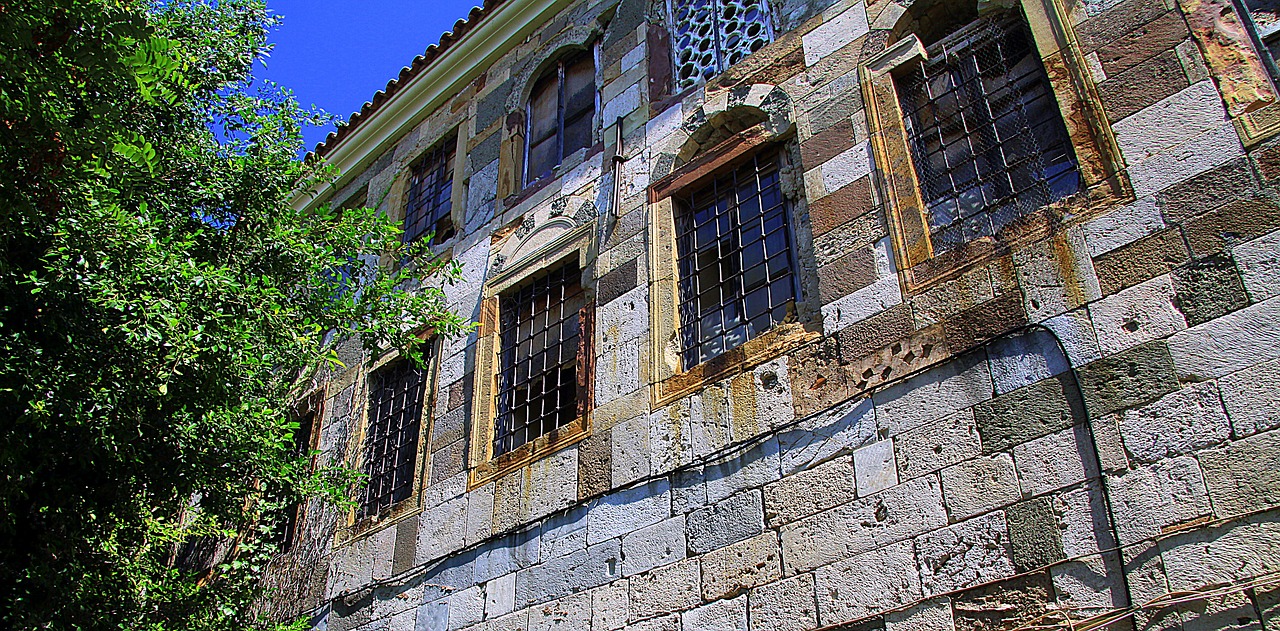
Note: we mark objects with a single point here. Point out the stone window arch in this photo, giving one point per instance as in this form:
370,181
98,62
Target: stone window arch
560,112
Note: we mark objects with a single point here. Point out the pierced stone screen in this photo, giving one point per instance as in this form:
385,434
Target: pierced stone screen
986,136
431,195
735,262
711,35
396,394
538,387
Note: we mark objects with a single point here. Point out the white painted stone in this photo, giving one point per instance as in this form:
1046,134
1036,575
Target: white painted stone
619,106
786,605
1075,330
861,304
979,485
466,607
810,491
867,584
937,445
1252,398
939,392
848,167
1123,226
629,510
571,613
722,615
1191,112
1232,342
930,615
670,588
1025,358
618,371
836,432
610,607
835,34
1147,499
1137,315
1259,265
1195,156
500,596
629,442
874,467
966,554
1056,275
1182,422
1053,462
660,544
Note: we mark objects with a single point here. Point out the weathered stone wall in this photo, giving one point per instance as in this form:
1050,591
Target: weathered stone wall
1082,420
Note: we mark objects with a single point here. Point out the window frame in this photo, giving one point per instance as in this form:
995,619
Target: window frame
448,144
721,60
309,413
484,464
557,65
1103,175
397,199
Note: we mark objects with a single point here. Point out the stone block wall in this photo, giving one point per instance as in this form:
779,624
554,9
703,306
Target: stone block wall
1082,420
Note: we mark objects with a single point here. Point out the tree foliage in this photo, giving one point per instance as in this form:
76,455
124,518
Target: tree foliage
159,302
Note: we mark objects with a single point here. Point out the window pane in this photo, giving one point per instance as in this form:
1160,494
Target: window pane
396,394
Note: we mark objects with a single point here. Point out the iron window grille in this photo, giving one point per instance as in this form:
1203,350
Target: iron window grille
561,112
733,240
986,136
396,394
540,386
430,203
711,35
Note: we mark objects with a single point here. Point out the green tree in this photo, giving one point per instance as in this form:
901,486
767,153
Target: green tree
159,300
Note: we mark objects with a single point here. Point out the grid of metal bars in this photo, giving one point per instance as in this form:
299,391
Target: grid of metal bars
986,135
561,113
430,203
396,394
735,260
711,35
538,385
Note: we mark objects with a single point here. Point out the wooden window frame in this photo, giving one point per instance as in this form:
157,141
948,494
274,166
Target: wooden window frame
558,67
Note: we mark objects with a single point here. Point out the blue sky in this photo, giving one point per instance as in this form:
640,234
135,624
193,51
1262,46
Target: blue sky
335,54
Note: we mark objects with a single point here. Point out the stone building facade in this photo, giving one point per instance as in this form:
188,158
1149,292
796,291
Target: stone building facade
939,315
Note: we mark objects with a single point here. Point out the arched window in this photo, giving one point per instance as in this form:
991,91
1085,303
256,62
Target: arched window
561,112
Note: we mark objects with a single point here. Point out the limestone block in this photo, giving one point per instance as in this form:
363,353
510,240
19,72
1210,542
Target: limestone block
1034,538
930,615
553,483
670,442
515,621
939,392
630,444
848,167
559,577
383,544
618,371
1259,264
663,125
1056,275
1137,315
1182,422
500,596
1195,156
786,605
710,421
619,106
1147,499
966,554
1134,377
937,445
660,544
835,34
754,468
624,318
774,405
874,467
563,533
664,590
404,621
442,530
726,522
1091,585
734,569
1230,612
1252,398
666,623
1123,226
581,176
1162,127
567,614
1023,359
1230,343
1244,475
830,434
867,584
1231,552
810,491
610,606
629,510
979,485
466,607
1075,330
1082,520
863,303
475,266
432,617
722,615
507,555
1055,461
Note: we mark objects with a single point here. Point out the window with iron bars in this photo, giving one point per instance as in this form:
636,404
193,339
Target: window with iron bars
986,136
290,522
430,202
711,35
396,394
733,239
540,384
561,113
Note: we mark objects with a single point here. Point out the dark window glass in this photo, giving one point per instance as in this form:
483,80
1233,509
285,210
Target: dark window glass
734,246
538,381
988,141
396,394
561,112
431,195
711,35
288,531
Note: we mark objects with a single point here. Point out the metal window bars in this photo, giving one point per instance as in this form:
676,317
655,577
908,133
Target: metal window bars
539,385
396,394
735,260
430,203
986,135
711,35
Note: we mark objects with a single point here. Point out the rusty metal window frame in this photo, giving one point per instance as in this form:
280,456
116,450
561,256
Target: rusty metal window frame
709,36
540,383
571,110
397,398
429,202
735,257
987,138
